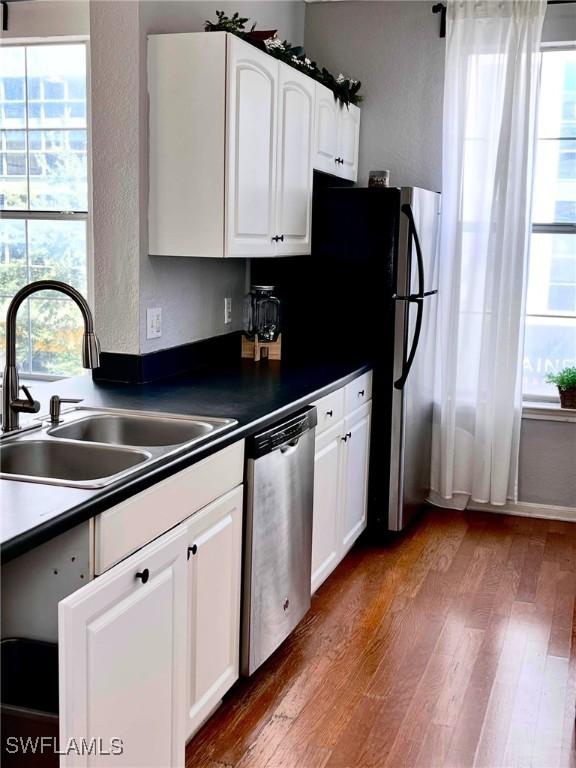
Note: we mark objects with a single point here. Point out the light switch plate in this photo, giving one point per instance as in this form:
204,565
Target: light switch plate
154,322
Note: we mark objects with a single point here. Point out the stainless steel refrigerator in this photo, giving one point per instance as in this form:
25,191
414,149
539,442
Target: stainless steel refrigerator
375,254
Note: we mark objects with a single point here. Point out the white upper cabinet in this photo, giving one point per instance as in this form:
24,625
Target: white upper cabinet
348,137
326,131
296,95
336,135
187,138
122,660
251,150
234,135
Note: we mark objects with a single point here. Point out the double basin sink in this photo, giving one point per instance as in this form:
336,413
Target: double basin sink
93,448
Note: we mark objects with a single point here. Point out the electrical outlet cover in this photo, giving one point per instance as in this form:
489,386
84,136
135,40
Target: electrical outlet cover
154,322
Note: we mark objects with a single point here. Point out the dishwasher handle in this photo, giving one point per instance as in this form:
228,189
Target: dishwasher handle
284,434
289,448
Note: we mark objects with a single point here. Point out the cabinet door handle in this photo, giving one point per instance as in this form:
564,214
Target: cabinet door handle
143,575
361,393
281,237
192,550
276,238
347,436
330,413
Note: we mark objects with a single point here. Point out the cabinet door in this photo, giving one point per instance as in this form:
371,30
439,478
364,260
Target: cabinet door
355,474
326,131
252,84
122,660
348,137
294,176
214,574
327,504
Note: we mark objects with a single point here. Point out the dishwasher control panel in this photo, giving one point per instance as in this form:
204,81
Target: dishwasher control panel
289,430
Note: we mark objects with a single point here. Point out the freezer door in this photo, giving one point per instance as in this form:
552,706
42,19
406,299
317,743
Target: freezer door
415,325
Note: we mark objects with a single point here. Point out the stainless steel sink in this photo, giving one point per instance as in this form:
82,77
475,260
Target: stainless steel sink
60,462
119,429
95,447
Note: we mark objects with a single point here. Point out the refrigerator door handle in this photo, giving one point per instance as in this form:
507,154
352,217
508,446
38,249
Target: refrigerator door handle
407,364
414,298
413,235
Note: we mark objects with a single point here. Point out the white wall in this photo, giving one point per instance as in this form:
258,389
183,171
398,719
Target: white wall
116,179
395,50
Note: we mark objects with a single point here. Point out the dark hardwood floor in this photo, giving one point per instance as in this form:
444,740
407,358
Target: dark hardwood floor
453,646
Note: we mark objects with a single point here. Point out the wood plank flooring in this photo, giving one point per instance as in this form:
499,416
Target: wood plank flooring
453,646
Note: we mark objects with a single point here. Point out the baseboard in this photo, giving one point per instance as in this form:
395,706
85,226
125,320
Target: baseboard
528,509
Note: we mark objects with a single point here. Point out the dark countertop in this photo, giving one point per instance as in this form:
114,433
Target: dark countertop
256,395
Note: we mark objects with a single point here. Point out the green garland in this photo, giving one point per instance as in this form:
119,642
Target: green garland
345,89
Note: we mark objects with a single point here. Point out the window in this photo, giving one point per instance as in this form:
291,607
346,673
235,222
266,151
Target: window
44,198
550,339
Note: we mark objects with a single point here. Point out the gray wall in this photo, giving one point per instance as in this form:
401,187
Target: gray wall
191,292
548,448
548,462
395,50
559,24
51,18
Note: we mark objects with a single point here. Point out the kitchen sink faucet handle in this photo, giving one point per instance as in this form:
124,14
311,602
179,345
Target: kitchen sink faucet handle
26,404
55,403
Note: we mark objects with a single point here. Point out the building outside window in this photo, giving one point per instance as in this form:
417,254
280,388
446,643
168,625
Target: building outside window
550,333
44,198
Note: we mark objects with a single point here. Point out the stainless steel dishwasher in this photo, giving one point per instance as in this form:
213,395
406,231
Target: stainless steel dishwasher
278,535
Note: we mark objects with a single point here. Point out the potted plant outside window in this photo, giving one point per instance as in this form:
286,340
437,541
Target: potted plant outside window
565,380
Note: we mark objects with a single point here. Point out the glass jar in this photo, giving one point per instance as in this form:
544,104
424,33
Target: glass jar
262,313
379,179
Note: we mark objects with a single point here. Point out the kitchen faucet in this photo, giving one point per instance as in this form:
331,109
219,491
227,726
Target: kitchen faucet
12,405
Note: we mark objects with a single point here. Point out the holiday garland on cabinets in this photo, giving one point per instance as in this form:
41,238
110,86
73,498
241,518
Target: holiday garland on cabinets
345,89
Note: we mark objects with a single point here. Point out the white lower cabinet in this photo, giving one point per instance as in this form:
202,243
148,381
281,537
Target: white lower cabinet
214,546
340,475
326,528
122,661
147,649
355,475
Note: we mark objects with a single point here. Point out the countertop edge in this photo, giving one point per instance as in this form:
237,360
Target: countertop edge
109,497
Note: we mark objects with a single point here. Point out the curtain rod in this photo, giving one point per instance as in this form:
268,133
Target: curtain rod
441,9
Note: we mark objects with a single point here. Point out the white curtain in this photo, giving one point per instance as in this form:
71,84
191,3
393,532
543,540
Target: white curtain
490,94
